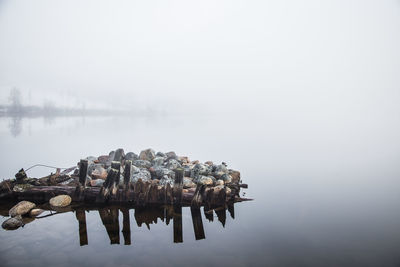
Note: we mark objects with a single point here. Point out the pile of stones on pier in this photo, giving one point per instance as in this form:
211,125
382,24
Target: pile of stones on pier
158,167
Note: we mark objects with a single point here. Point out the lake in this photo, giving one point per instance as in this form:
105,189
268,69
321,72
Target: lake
325,190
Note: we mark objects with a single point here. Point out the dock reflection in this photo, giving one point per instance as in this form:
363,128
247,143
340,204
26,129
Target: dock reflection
145,217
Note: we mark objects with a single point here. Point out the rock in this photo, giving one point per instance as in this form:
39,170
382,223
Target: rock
103,159
21,187
60,201
227,178
142,174
97,172
12,223
171,155
148,154
200,169
209,163
159,172
119,155
184,160
21,208
110,158
131,156
221,168
220,182
188,182
173,164
35,212
142,163
235,176
161,154
166,180
91,159
157,161
206,180
97,182
194,162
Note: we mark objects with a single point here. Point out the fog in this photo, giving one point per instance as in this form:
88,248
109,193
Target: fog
196,57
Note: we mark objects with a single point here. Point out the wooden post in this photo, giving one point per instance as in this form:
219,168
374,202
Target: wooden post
221,214
198,196
105,189
81,217
178,233
178,186
197,223
83,169
126,226
117,166
231,209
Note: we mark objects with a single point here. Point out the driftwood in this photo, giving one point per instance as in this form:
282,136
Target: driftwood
143,193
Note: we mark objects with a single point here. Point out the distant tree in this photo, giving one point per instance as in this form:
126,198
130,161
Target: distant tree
15,100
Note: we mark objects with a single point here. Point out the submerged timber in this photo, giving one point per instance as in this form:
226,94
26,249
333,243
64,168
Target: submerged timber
148,179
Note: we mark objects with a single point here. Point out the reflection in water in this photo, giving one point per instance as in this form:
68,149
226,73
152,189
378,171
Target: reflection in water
110,219
15,125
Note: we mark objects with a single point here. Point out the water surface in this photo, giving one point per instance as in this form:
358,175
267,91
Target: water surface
325,190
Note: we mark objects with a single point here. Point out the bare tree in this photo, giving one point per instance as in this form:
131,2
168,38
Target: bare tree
15,100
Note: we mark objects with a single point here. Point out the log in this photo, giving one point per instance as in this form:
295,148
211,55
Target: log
143,194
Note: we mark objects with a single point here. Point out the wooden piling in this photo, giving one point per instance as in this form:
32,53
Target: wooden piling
197,223
126,226
178,186
81,217
178,233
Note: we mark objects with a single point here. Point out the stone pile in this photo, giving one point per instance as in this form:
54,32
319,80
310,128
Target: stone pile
159,167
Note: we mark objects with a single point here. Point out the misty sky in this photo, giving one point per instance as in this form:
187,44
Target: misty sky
204,55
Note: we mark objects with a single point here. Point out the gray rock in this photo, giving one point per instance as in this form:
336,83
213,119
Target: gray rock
142,163
221,168
131,156
226,178
60,201
166,180
119,155
110,158
142,174
160,172
147,154
219,182
157,161
12,223
161,154
21,208
173,164
188,182
171,155
200,169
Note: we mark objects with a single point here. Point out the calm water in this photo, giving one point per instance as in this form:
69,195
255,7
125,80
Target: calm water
326,191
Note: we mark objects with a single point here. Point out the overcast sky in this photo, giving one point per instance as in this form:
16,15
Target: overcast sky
216,55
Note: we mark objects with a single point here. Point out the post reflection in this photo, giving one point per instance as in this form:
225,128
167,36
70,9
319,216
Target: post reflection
146,216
